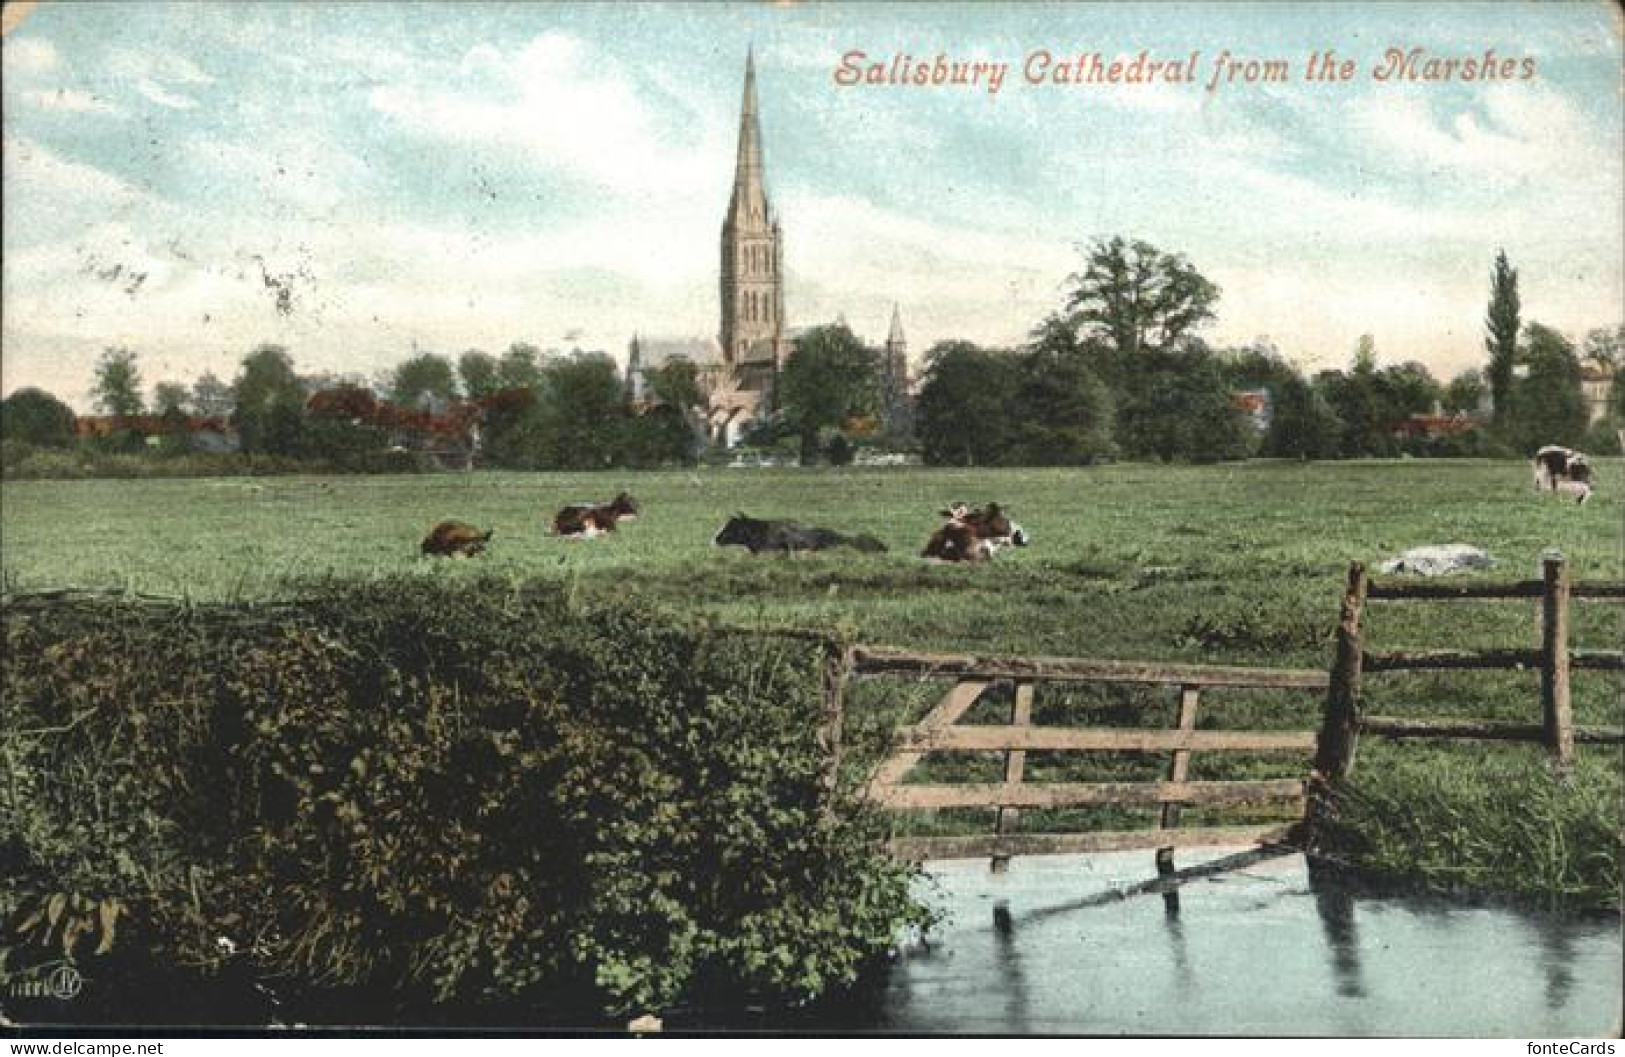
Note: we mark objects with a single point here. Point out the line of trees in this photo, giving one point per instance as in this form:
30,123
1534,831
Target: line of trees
1119,371
532,411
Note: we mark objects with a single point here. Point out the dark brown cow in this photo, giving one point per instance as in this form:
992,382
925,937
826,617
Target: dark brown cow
973,534
455,539
585,520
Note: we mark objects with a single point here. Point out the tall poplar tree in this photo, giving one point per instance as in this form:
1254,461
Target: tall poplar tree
1502,324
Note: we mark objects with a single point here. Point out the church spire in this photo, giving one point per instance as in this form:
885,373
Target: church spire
749,202
895,337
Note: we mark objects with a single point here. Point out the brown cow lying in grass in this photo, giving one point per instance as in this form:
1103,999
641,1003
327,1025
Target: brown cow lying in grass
455,539
973,534
585,520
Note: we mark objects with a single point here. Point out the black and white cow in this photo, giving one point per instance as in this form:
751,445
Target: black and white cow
973,534
1560,469
788,537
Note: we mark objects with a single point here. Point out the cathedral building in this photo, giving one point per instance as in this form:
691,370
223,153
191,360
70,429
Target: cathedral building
739,370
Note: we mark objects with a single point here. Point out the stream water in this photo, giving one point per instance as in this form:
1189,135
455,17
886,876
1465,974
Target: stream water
1257,951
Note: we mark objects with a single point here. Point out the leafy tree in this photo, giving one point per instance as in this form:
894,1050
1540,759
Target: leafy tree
479,373
1138,298
1548,405
34,416
1062,410
1605,348
1466,391
1180,407
117,390
965,405
660,436
422,380
1501,342
520,367
170,396
676,383
1302,424
211,397
583,411
268,402
830,377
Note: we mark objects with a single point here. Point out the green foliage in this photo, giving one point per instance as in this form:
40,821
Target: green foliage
1548,405
676,383
1063,411
33,416
479,373
1139,298
830,377
117,389
964,406
170,397
520,367
268,402
1466,392
1302,424
424,378
465,794
661,436
584,409
211,397
1178,406
1502,324
1504,824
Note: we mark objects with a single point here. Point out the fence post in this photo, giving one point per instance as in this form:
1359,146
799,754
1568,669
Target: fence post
1339,730
1340,723
1556,713
837,667
1178,771
1015,764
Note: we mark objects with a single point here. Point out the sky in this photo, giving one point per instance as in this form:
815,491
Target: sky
359,181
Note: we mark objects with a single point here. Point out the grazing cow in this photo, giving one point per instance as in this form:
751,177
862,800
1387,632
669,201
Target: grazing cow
455,539
973,534
586,520
1562,469
788,537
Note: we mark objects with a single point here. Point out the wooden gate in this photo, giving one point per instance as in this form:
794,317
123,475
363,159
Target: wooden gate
940,731
1345,719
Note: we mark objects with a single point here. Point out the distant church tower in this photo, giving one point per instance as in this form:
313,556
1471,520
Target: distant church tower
896,411
752,333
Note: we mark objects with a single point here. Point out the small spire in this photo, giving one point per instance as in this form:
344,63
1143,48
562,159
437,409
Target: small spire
896,335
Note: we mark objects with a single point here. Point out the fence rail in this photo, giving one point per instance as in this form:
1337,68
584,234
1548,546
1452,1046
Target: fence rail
1555,660
971,674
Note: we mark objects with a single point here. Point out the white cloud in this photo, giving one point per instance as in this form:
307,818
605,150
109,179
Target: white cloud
71,100
571,110
29,55
36,175
157,93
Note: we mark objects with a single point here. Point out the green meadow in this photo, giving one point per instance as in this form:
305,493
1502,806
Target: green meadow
1240,562
1230,564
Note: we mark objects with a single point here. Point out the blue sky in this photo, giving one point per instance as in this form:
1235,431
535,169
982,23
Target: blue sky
446,177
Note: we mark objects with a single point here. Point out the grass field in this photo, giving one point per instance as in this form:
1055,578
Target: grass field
1237,564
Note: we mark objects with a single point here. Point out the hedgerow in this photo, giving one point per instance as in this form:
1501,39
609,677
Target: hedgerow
455,795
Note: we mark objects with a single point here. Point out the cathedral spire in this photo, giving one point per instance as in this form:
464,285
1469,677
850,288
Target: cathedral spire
895,337
749,202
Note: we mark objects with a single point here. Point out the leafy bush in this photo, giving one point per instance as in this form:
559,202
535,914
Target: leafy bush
452,794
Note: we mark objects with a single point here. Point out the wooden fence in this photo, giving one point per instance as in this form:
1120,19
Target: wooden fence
1345,719
940,731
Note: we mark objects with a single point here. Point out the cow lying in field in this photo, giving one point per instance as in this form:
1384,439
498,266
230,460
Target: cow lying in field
788,537
586,520
973,534
455,539
1562,469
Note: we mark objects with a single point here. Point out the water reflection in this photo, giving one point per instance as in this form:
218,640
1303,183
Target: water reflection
1336,909
1258,946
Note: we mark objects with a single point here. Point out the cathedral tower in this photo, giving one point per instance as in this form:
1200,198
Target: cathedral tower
752,333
